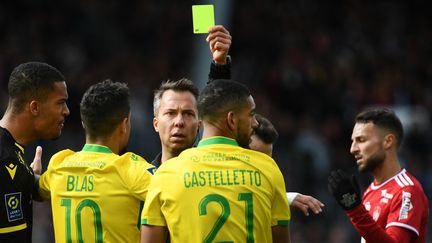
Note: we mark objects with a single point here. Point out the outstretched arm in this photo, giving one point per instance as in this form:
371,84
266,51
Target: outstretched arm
219,40
304,203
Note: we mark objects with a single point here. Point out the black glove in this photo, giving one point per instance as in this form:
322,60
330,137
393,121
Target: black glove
345,189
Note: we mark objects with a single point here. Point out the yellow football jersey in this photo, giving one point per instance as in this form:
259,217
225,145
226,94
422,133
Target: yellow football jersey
95,194
218,192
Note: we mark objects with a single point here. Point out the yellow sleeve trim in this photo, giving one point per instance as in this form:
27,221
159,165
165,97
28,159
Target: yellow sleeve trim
13,228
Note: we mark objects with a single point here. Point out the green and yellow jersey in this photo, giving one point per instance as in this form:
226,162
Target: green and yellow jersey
95,194
217,192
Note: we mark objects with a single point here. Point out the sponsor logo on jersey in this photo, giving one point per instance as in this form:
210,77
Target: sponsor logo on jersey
385,196
406,205
11,168
13,206
367,206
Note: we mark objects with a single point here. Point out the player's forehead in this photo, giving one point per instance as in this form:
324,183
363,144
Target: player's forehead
58,91
362,129
249,105
178,99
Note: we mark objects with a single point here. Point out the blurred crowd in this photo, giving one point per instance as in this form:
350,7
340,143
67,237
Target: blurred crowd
311,65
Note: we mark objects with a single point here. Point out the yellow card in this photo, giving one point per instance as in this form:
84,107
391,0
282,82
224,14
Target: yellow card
203,18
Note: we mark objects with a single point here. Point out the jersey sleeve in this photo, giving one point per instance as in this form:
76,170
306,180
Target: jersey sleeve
152,212
281,214
44,180
407,209
371,231
138,175
220,71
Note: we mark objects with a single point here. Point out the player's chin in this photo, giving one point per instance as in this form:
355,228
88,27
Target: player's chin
362,168
182,144
55,134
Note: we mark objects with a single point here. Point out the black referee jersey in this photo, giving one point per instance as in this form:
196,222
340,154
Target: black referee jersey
17,181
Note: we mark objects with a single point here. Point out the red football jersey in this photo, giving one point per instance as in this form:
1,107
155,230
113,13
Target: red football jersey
399,202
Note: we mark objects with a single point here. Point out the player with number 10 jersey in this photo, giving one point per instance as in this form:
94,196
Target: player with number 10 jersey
96,194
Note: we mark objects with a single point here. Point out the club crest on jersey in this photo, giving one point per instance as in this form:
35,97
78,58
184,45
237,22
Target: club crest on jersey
376,213
406,205
385,197
13,206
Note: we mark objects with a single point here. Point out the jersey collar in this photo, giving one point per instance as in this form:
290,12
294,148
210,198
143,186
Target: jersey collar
96,148
375,187
217,140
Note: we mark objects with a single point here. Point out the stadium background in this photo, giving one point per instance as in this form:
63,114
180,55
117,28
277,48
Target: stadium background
311,66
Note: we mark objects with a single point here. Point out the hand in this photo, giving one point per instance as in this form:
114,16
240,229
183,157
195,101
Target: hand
345,189
219,40
306,203
36,165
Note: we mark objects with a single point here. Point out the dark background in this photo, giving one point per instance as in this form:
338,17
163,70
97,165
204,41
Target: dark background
311,65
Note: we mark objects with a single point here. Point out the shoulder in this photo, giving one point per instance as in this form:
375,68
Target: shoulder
61,155
260,157
135,160
7,147
406,181
130,156
408,187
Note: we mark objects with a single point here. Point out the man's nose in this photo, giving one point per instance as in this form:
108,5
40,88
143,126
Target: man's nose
179,120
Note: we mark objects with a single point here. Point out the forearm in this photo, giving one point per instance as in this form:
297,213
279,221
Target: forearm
220,71
372,232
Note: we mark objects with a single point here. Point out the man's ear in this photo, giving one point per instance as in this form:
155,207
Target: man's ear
389,141
199,125
34,107
125,124
231,120
155,124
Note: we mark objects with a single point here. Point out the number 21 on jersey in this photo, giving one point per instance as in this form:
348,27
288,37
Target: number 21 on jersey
225,213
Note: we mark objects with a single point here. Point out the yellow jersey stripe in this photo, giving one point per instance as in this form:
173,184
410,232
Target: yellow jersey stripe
13,228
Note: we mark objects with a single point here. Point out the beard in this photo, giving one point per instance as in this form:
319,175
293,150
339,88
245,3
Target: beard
372,163
243,139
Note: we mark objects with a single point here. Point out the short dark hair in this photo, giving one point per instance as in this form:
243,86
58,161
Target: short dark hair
103,106
31,80
219,96
181,85
383,118
265,130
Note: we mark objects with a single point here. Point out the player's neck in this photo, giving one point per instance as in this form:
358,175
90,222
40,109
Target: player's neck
167,154
19,126
110,143
389,168
215,129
